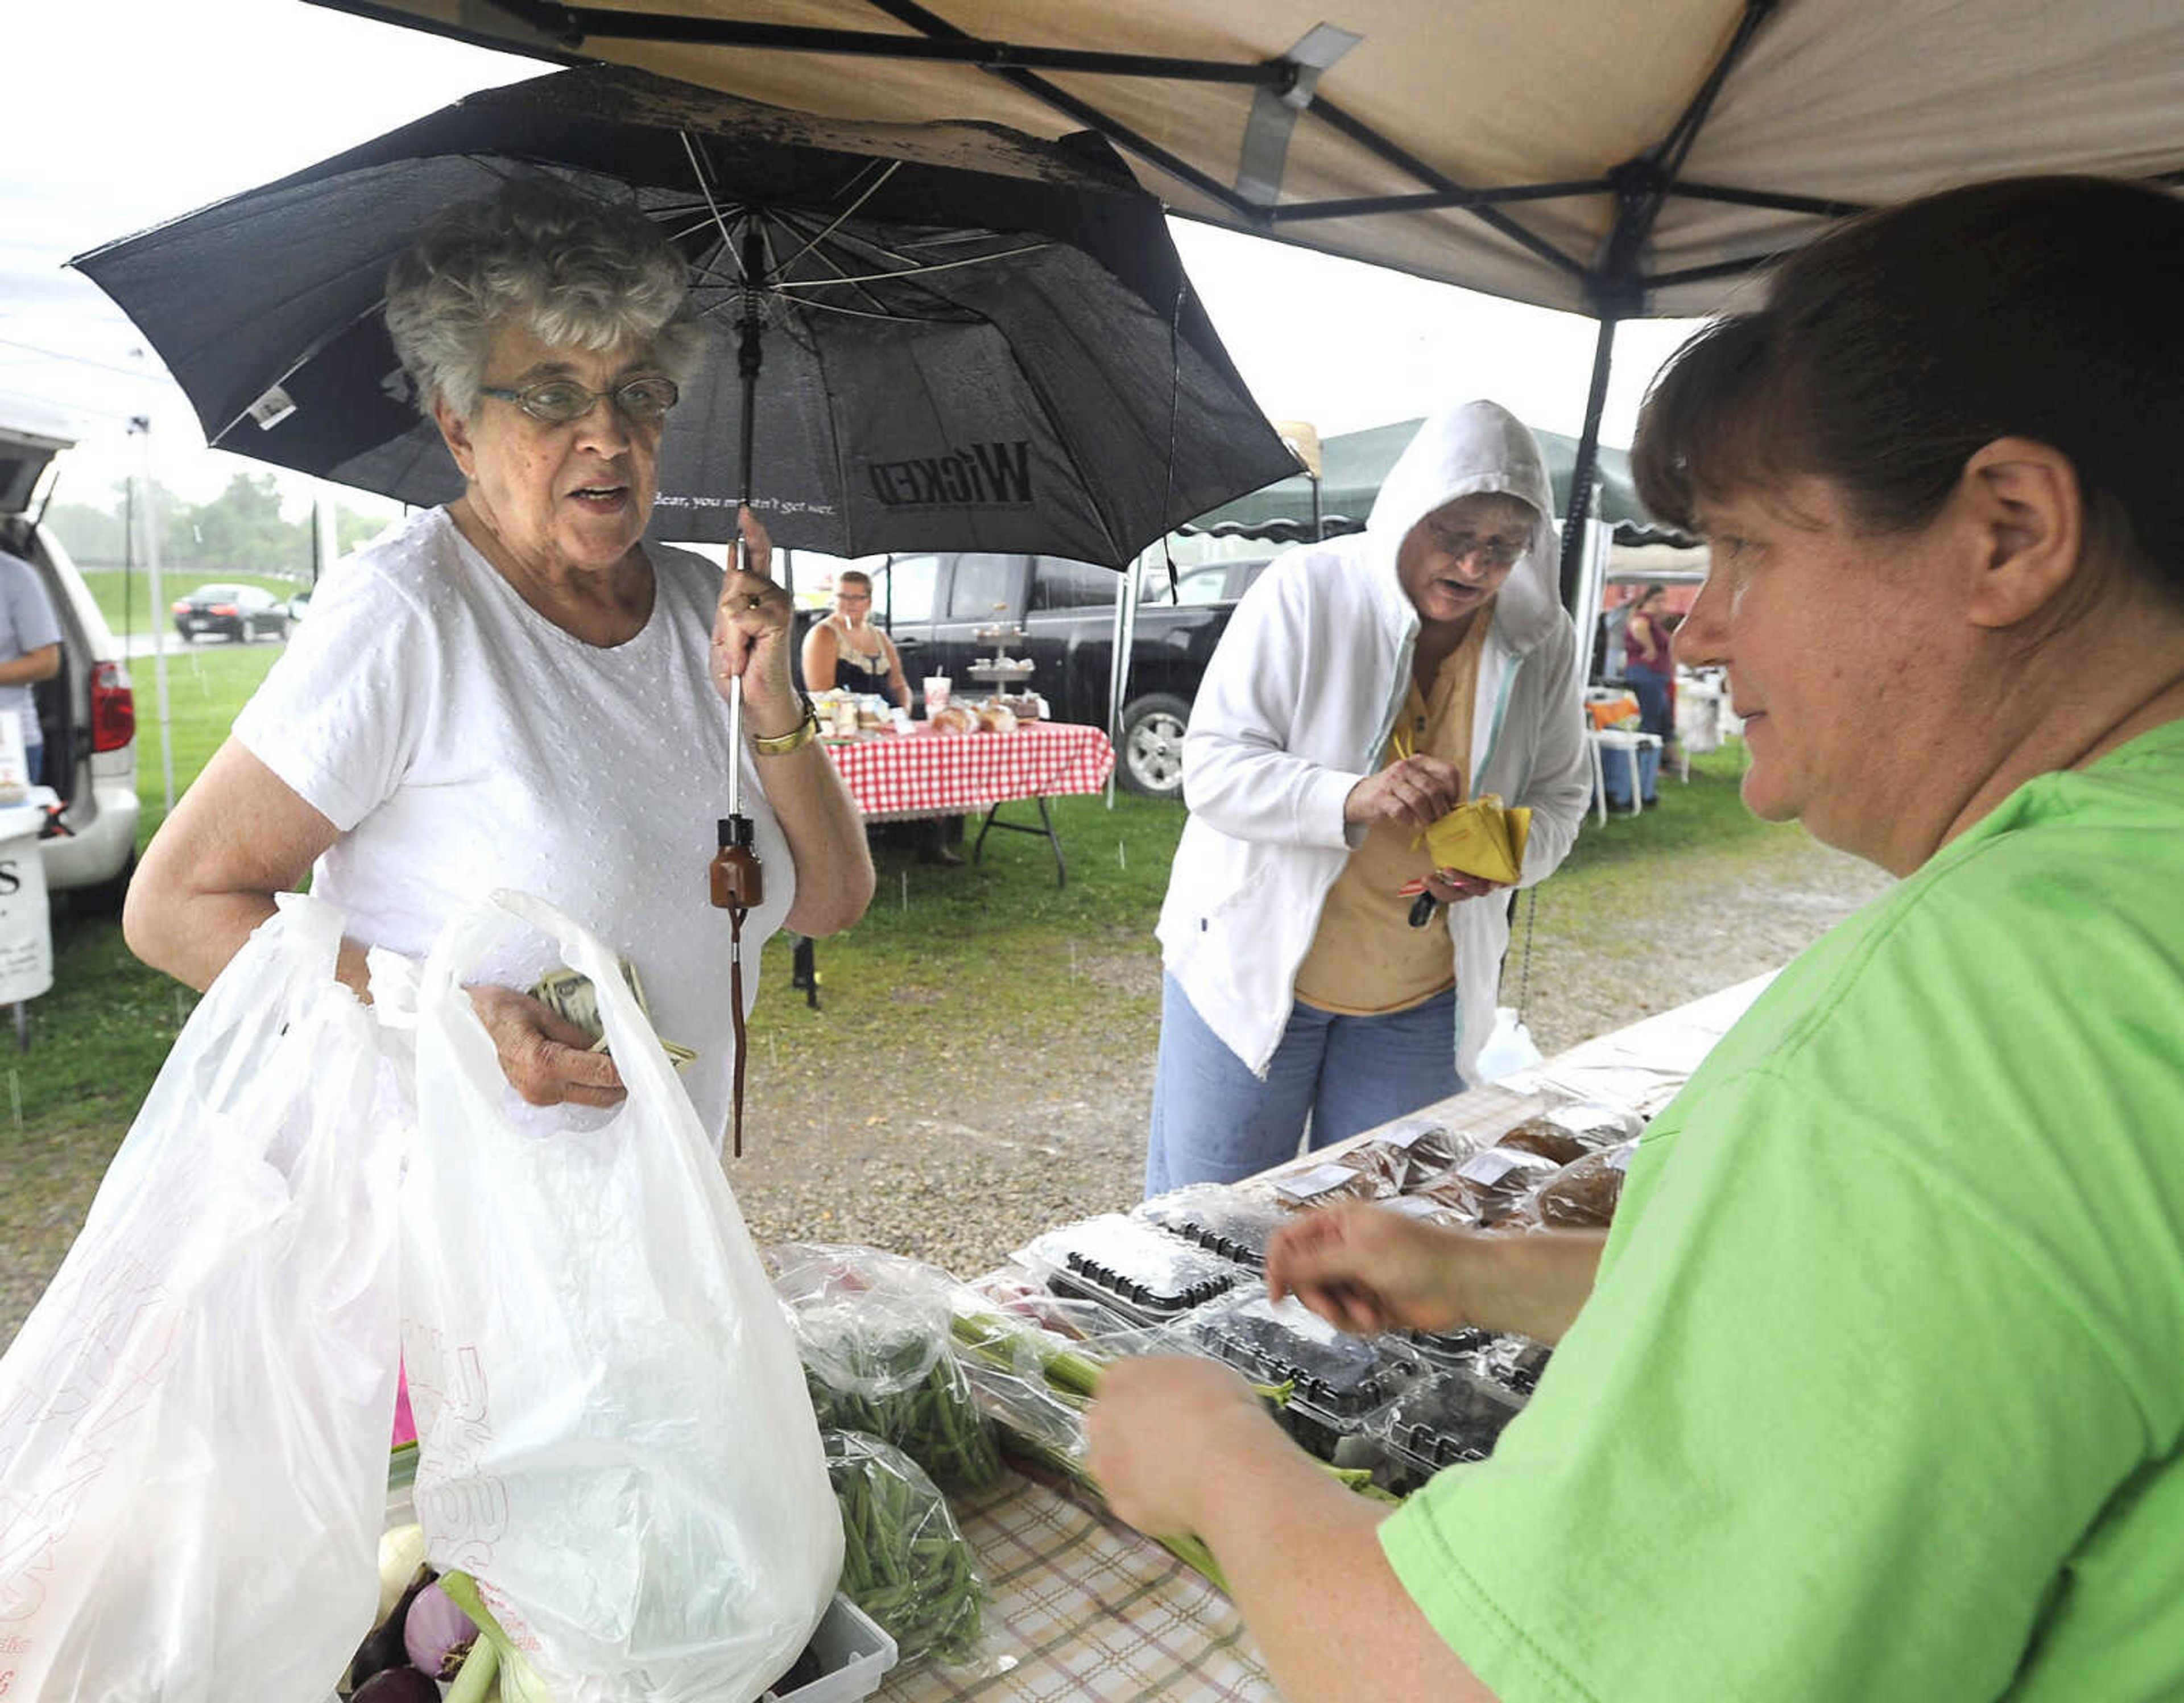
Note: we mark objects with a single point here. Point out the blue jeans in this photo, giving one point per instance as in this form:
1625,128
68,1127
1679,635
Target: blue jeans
1214,1121
1652,691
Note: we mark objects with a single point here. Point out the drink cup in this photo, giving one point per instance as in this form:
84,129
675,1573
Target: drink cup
937,689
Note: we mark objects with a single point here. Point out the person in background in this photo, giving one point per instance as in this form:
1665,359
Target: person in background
1649,667
30,651
1875,1388
1365,687
846,651
514,690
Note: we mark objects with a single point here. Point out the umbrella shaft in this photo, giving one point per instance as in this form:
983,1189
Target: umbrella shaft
747,346
736,741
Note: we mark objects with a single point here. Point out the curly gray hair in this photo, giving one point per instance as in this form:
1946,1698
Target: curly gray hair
578,271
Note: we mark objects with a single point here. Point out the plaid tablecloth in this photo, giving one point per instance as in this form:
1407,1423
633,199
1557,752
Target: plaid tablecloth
923,773
1084,1610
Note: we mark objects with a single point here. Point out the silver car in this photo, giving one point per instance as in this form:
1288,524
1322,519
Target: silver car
88,710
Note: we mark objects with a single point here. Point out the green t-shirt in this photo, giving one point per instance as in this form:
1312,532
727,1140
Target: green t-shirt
1879,1391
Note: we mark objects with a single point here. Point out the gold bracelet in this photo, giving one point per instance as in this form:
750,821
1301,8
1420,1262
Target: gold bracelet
795,739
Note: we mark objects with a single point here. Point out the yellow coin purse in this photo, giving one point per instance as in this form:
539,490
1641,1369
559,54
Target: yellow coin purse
1483,837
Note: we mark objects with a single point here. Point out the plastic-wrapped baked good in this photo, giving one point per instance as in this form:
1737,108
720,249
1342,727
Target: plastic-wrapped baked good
1235,1221
1385,1160
1490,1185
1428,1210
1139,1268
1538,1135
1326,1183
1584,1194
1596,1123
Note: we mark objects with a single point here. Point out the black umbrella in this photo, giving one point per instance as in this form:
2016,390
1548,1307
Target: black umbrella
971,339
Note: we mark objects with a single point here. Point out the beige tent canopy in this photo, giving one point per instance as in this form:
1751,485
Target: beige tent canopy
1594,155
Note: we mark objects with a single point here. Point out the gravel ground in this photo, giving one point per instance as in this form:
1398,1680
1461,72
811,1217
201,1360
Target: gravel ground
959,1160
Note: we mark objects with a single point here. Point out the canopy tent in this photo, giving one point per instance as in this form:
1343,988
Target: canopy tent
1355,462
1598,157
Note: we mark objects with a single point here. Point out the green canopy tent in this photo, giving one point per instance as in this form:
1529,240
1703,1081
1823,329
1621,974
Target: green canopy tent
1354,463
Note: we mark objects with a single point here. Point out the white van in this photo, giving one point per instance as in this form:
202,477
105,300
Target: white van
88,710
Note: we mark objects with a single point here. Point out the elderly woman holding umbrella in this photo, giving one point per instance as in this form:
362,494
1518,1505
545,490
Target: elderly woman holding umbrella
513,690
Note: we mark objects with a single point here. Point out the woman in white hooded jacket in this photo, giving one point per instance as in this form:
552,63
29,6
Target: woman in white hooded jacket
1311,753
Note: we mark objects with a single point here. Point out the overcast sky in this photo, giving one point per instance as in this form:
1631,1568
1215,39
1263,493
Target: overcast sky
123,114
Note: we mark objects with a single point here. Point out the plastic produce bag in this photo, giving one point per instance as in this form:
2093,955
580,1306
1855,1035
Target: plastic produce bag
193,1420
613,1434
876,1337
905,1563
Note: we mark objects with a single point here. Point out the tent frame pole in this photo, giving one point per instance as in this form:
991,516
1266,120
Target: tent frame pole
1584,469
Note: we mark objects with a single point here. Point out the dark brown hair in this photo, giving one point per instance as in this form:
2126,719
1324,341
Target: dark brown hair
1893,348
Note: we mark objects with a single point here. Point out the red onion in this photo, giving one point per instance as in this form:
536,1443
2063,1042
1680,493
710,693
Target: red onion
437,1633
397,1685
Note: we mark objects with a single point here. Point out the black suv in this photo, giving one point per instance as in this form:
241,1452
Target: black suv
934,607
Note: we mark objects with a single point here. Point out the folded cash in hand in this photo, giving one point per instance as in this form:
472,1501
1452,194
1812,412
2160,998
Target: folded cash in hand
570,995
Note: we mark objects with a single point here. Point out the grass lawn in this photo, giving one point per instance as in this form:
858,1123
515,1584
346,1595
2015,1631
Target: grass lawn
207,687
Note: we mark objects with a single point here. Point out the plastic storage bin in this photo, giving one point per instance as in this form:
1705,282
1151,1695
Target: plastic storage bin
855,1652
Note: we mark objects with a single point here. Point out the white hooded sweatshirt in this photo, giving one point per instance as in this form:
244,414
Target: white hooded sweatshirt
1296,707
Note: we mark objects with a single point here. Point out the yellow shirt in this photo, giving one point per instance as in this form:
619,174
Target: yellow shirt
1366,958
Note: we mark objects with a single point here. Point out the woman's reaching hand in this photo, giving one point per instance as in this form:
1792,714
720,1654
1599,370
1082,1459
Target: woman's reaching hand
1365,1270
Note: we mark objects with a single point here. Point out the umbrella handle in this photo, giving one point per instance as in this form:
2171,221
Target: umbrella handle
740,560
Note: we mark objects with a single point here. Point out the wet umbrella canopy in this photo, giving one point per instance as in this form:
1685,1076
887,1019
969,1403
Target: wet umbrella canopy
969,339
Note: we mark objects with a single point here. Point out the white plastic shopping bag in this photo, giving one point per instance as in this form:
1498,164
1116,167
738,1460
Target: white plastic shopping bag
614,1436
193,1421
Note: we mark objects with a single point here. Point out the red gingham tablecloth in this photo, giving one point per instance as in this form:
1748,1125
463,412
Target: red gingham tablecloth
925,774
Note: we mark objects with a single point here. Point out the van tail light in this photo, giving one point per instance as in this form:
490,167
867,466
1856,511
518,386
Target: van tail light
224,609
113,707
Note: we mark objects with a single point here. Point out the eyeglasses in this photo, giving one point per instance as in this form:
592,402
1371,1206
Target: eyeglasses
1494,552
557,401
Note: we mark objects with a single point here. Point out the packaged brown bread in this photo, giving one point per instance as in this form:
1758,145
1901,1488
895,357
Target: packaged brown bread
1538,1135
1583,1194
1489,1185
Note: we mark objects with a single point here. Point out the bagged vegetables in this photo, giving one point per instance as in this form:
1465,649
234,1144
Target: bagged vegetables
199,1405
874,1332
614,1438
904,1561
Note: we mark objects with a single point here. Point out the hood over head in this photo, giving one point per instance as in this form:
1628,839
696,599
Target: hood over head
1461,451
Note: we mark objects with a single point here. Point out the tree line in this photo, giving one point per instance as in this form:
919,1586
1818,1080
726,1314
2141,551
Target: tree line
240,530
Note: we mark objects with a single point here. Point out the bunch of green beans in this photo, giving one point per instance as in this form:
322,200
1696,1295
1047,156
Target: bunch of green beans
869,1383
904,1561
